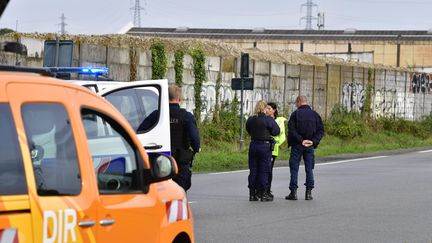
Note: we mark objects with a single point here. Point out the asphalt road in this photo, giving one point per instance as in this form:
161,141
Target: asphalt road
385,198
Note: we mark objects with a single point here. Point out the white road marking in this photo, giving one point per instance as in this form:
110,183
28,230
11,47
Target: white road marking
190,202
424,151
350,160
317,164
228,172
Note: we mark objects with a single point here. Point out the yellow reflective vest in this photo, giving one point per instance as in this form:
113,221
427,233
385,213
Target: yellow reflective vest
280,139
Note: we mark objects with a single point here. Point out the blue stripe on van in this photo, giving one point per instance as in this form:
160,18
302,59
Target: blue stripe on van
161,152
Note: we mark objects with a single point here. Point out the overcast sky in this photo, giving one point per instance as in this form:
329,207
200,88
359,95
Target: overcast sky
111,16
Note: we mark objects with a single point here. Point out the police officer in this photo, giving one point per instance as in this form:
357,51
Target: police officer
261,128
305,131
185,141
272,111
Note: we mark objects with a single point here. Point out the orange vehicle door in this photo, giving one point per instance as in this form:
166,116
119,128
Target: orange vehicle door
127,213
62,196
15,220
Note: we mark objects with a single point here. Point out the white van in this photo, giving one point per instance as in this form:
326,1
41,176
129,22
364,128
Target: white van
144,104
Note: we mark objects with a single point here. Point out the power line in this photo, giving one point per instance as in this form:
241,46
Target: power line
309,6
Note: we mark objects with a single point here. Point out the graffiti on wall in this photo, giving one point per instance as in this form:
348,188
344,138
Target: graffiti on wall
353,96
421,83
386,102
208,97
404,98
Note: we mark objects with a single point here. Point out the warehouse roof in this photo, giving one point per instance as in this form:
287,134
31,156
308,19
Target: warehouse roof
278,34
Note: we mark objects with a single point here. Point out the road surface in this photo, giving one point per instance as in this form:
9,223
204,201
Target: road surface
373,199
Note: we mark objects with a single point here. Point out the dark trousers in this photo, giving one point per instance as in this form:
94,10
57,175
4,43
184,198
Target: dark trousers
271,170
184,176
297,151
259,165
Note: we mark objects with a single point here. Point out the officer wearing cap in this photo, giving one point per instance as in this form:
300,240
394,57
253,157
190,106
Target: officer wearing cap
261,128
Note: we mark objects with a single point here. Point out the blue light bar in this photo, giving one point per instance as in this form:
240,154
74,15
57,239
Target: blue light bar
79,70
102,70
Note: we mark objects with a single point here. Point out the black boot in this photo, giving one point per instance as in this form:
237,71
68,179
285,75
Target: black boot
308,194
292,195
264,197
269,193
253,195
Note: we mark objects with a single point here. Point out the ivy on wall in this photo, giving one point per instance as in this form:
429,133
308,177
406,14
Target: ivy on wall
368,99
159,60
178,66
133,60
199,73
216,117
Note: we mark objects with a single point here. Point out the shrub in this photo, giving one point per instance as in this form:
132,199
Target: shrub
344,124
399,125
226,130
426,124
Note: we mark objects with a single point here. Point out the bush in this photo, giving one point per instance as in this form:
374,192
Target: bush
426,124
225,130
344,124
399,125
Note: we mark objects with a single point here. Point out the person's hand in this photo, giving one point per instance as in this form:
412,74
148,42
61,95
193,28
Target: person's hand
307,143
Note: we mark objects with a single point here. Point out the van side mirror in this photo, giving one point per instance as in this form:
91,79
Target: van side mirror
14,47
163,167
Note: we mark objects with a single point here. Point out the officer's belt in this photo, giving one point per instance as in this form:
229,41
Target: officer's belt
260,141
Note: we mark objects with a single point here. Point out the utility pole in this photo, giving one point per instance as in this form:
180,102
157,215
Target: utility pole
309,6
137,13
321,21
62,24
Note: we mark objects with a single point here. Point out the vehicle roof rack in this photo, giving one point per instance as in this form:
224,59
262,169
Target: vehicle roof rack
12,68
59,72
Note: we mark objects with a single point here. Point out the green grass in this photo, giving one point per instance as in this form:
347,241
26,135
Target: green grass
225,156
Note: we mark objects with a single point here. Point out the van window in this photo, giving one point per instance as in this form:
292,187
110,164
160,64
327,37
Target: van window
52,148
149,101
114,158
12,177
139,105
126,102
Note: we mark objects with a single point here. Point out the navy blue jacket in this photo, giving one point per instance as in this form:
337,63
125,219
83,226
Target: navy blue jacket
262,127
305,123
190,127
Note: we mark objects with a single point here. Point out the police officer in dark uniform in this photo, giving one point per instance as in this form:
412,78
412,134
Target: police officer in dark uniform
305,131
185,140
261,128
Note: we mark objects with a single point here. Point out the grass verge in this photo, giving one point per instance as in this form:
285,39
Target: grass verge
225,156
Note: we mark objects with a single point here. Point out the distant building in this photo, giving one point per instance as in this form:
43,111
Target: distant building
410,49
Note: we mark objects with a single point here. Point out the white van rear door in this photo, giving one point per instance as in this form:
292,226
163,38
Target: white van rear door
145,105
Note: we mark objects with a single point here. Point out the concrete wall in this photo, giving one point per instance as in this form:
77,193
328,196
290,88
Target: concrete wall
395,94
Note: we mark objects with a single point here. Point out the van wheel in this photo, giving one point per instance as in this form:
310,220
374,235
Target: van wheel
182,238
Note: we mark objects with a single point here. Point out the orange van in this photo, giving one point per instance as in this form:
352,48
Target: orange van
73,170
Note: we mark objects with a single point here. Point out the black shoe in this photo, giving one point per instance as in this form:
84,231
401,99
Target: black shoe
292,195
252,195
270,194
308,194
264,197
